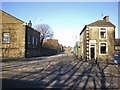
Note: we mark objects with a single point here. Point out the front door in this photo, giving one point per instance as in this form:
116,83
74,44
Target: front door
92,52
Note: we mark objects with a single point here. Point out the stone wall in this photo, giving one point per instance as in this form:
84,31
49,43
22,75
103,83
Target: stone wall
50,47
94,35
47,51
16,29
51,43
19,32
16,47
83,45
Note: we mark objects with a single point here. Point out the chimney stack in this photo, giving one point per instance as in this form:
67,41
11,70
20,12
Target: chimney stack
106,18
30,24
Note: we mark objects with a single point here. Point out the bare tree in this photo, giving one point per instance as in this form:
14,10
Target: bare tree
45,32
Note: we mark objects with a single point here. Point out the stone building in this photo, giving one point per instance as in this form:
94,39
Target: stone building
97,40
32,42
117,45
18,39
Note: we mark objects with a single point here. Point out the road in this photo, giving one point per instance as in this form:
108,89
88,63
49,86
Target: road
59,71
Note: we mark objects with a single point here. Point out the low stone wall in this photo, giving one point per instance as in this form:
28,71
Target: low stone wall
47,51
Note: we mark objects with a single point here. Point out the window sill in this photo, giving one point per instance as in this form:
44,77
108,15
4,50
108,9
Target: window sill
5,43
103,38
103,54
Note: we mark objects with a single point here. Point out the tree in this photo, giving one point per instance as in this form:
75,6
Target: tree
45,32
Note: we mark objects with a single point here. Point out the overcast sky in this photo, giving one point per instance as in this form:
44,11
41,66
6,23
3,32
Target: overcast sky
66,19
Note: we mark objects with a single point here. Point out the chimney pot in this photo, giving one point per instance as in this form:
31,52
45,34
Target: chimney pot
30,24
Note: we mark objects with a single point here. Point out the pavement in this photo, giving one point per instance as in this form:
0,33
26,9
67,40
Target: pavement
60,71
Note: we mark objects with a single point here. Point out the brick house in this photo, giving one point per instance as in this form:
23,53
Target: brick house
17,38
97,40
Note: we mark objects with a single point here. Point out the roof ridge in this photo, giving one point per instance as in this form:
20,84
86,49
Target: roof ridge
101,23
95,21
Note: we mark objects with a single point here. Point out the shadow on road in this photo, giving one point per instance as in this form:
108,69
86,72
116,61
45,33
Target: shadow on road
9,83
65,74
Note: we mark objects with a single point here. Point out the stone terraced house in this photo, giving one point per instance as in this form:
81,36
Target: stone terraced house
17,38
97,40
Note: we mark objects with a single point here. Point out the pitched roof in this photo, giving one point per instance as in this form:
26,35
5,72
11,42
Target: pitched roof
83,29
101,23
7,18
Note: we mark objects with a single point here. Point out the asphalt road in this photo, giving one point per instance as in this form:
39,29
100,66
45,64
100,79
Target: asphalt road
59,71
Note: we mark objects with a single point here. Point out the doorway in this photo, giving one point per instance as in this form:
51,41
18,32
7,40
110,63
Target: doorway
92,52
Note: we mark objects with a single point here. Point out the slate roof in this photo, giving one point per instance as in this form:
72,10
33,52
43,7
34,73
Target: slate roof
101,23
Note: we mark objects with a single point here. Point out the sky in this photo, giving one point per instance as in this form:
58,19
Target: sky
66,19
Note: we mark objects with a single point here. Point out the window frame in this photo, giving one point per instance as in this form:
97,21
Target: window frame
100,48
29,37
8,40
33,40
101,30
36,41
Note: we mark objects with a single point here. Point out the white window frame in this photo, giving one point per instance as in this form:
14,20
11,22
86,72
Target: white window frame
106,48
105,33
6,40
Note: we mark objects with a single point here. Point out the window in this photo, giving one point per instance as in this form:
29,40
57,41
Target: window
33,40
102,33
28,39
6,38
36,41
102,48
